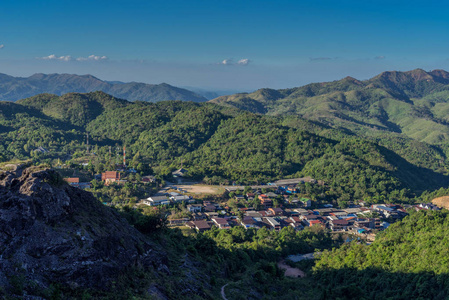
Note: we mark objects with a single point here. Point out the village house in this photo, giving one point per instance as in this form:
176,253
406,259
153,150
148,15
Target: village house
429,206
221,223
296,223
271,195
339,225
179,174
194,207
325,211
156,200
355,210
275,211
180,198
340,214
315,222
249,222
306,202
148,179
178,222
73,181
265,201
201,225
109,177
310,220
273,223
291,189
199,216
211,214
302,211
364,223
253,214
210,208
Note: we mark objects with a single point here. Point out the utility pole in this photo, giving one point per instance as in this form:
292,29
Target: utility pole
124,157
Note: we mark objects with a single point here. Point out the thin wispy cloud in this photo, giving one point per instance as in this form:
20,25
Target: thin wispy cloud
380,57
55,57
92,58
230,62
320,58
2,46
243,61
70,58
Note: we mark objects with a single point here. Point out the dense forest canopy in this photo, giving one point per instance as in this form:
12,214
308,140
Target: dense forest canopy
409,260
220,145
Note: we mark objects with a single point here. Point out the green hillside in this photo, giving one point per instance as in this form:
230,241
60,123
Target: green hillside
413,103
74,108
221,145
409,260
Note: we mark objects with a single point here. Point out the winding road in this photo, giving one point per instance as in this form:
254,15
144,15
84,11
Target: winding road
223,295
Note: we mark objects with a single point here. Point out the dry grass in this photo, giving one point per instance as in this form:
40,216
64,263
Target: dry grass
441,202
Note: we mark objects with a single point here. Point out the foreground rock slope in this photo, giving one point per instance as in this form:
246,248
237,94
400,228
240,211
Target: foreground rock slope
51,233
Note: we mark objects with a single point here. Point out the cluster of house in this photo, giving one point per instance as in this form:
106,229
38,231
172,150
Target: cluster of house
210,214
358,220
107,177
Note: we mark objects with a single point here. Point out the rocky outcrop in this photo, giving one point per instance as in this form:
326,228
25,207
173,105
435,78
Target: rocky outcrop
51,233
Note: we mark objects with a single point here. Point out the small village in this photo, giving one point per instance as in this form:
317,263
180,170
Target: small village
274,206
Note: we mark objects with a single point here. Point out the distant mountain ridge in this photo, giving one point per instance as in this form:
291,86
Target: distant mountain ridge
15,88
415,103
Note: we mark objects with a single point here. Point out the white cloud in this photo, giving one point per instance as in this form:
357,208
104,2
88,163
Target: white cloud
54,57
380,57
227,62
230,62
92,57
2,46
70,58
243,61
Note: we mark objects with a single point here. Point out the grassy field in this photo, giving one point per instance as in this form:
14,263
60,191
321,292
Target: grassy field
441,202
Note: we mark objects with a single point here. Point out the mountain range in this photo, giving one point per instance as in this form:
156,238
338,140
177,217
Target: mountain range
15,88
413,103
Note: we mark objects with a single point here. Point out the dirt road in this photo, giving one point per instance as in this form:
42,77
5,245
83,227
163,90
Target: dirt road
289,271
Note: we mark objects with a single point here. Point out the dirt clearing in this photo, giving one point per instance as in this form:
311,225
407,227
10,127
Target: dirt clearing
201,189
441,202
289,271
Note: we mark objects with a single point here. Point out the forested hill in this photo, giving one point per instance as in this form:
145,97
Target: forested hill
415,103
218,145
407,261
15,88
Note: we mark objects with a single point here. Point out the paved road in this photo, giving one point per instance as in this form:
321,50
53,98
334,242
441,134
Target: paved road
223,295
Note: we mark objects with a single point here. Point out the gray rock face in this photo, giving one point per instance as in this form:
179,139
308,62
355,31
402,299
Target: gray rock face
53,233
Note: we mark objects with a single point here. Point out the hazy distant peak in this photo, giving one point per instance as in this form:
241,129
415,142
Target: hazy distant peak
15,88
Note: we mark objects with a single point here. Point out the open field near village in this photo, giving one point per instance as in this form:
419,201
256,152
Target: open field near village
202,189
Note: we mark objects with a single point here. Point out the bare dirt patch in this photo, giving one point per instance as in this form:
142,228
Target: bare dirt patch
289,271
441,202
201,189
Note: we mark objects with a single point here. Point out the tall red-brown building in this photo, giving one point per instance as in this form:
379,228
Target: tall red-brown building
110,176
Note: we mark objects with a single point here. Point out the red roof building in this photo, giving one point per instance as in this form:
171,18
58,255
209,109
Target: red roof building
110,176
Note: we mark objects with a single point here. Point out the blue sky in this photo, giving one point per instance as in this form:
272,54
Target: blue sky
235,45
